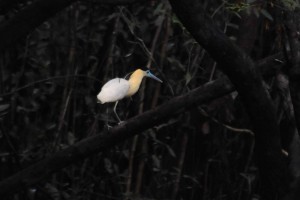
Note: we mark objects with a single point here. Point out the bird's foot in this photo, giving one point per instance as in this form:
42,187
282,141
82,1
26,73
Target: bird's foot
120,122
109,126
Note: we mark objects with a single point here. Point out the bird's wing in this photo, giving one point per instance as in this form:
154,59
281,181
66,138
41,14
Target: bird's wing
114,90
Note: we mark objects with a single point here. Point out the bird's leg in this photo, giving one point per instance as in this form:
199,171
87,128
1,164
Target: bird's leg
115,107
108,126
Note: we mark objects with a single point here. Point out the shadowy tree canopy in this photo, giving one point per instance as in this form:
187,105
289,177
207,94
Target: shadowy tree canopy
223,125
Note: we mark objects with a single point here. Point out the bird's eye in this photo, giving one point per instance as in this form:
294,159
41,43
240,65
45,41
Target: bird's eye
148,72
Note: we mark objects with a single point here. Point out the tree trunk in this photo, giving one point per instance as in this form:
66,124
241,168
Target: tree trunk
241,70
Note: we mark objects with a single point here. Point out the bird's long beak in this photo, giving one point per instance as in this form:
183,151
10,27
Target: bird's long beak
150,75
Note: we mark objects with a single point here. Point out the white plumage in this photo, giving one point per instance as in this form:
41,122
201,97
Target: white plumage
114,90
119,88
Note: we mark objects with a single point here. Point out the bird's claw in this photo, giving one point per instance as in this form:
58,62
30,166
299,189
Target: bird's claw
109,126
120,122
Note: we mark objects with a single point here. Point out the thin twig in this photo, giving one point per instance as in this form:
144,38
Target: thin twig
180,164
48,79
239,130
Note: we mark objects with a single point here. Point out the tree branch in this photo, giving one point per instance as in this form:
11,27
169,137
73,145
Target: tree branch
28,19
85,148
97,143
240,69
292,24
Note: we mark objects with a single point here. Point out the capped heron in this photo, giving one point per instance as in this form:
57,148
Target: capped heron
119,88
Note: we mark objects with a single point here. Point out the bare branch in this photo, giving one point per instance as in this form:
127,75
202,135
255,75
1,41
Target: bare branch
87,147
28,19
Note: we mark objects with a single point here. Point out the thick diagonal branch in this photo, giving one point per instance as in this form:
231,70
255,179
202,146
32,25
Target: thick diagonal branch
97,143
85,148
28,19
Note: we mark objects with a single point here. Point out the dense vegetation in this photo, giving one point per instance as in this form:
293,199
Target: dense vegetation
210,149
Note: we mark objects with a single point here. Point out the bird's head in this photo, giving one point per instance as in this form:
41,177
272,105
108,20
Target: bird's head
139,74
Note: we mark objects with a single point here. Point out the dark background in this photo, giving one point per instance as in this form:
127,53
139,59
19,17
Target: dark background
53,66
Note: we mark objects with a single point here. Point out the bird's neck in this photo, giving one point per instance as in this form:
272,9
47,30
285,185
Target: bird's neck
134,83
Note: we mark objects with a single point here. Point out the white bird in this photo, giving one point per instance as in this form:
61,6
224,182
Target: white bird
119,88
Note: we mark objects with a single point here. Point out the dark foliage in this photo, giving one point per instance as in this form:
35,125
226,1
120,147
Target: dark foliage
50,76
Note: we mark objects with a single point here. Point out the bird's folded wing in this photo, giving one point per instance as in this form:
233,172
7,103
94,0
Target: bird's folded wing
114,90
